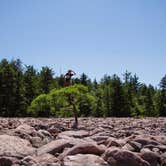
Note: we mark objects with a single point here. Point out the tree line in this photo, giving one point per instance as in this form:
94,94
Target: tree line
24,91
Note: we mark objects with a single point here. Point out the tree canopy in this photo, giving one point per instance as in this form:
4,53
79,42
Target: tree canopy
24,91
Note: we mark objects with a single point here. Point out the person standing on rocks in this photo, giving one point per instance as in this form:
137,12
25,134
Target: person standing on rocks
68,76
68,82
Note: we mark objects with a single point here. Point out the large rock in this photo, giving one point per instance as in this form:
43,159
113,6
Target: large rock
46,158
163,159
119,157
111,141
152,158
146,140
53,147
13,146
156,148
43,160
25,131
84,148
28,161
128,147
36,142
44,133
75,134
75,141
26,128
138,140
100,139
159,138
137,146
84,160
132,146
5,161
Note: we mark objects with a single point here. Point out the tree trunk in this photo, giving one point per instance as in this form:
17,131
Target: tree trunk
75,116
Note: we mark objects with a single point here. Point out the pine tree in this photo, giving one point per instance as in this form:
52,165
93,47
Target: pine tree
20,105
31,88
162,97
149,105
118,98
46,79
7,89
99,111
84,79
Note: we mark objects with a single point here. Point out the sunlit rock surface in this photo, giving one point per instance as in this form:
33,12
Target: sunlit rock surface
97,141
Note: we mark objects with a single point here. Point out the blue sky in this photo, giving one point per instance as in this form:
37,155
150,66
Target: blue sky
96,37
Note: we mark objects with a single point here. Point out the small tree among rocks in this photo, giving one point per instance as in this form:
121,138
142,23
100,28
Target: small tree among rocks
64,102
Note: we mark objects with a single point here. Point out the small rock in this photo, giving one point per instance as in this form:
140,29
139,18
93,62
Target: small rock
28,161
36,142
44,133
144,150
128,147
137,146
84,160
47,160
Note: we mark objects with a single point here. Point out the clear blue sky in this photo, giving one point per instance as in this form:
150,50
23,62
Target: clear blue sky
93,36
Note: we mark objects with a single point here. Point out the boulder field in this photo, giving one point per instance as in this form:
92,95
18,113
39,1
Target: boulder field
96,142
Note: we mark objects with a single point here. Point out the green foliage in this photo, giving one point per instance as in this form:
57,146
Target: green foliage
77,94
59,102
25,92
100,109
40,106
30,79
46,79
87,105
12,101
162,97
118,99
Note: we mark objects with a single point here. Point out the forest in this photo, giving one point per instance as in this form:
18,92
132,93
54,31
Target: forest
25,92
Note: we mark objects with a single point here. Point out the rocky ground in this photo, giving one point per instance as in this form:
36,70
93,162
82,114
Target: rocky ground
96,142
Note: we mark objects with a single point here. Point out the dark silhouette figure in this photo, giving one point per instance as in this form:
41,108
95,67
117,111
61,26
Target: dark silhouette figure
68,76
68,82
